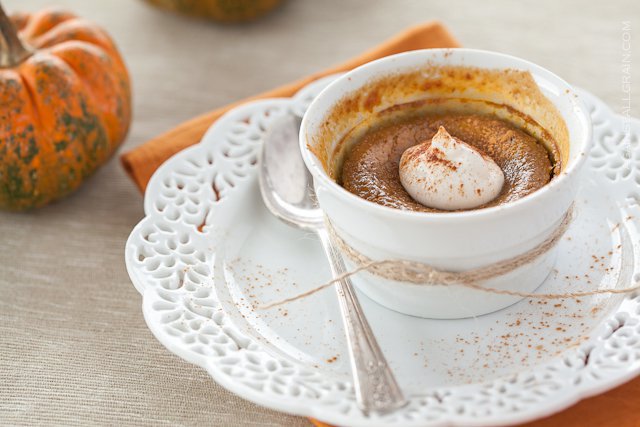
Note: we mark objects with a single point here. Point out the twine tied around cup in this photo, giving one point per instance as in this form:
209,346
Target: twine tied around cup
421,274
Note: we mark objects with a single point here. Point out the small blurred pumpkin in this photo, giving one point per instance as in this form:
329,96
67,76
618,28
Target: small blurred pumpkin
65,105
228,11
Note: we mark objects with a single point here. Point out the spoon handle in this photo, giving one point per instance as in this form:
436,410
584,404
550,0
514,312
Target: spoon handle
375,386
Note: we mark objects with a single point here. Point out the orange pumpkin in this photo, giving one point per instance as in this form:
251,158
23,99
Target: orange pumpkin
227,11
65,105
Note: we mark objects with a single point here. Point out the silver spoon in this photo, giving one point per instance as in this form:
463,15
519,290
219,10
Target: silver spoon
287,191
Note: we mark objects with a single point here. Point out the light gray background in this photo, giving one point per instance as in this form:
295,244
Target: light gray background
74,348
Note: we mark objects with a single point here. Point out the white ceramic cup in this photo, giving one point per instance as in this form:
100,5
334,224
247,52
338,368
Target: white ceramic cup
455,241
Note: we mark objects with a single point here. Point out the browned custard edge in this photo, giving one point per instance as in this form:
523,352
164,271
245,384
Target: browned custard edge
512,95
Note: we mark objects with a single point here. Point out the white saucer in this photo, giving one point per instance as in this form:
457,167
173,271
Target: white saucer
208,252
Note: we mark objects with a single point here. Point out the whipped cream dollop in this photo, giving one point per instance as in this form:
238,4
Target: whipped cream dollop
449,174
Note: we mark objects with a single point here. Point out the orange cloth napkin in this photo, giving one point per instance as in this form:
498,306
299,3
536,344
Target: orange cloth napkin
619,407
141,162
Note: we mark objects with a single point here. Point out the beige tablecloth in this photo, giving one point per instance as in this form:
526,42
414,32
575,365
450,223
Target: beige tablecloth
74,348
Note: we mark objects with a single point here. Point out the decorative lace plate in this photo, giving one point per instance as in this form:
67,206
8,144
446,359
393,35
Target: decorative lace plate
208,253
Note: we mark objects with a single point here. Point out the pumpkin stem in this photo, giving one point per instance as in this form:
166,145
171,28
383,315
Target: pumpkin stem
12,50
